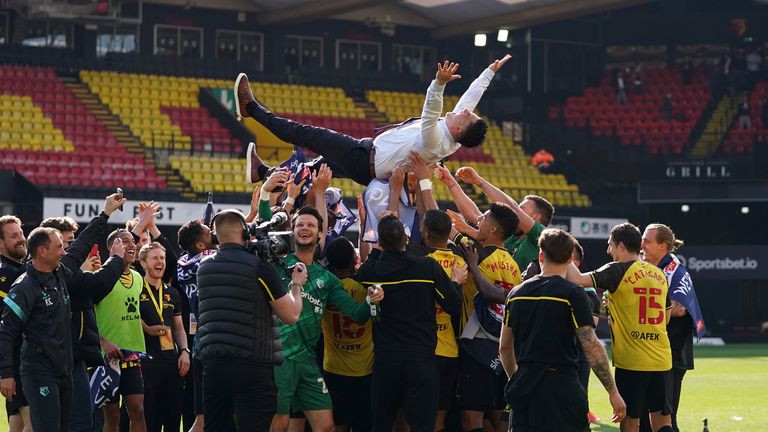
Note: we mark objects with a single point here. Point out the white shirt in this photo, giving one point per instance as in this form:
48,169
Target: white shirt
429,135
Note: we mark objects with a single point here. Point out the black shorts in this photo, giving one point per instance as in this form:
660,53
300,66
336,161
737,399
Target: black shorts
447,368
131,381
558,403
19,400
652,390
351,398
479,388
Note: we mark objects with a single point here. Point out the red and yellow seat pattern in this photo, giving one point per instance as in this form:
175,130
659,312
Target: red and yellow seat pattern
51,138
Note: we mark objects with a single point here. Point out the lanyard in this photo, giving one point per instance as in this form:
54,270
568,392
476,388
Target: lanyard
158,306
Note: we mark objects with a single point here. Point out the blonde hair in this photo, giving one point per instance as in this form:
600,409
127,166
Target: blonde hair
147,248
664,234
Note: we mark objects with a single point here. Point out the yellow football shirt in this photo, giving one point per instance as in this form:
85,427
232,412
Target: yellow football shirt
499,268
446,337
348,346
638,299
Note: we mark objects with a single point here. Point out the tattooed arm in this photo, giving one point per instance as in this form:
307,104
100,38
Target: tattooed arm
599,361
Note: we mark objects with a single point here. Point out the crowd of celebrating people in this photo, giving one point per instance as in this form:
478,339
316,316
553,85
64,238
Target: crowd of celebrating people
480,311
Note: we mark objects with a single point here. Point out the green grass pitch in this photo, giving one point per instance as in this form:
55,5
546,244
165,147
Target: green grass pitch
729,387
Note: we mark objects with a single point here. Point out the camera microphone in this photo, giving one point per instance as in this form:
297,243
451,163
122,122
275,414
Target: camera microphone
278,219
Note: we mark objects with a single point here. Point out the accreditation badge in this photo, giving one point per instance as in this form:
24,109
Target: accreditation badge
166,341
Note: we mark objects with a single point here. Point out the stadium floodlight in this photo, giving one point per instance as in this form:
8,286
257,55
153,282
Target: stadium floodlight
685,208
745,210
502,35
480,39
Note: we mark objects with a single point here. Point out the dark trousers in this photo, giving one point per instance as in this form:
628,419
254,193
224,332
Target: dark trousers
162,395
81,417
197,384
188,397
553,401
677,386
411,384
238,396
347,156
50,401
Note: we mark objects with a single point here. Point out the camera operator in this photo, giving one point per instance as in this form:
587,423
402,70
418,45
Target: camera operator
239,296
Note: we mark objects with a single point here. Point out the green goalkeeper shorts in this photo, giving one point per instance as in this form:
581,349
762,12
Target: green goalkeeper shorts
300,387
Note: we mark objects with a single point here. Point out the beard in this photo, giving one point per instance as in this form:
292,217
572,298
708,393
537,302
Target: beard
18,252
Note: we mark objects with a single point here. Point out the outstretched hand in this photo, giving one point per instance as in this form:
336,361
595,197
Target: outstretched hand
446,72
495,66
321,178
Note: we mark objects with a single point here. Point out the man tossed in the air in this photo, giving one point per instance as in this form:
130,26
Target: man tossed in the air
364,159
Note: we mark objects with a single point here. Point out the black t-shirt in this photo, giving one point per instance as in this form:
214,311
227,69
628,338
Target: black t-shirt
171,306
544,313
680,332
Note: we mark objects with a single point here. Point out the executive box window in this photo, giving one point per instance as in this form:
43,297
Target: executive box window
303,51
357,55
120,41
177,41
4,20
413,59
48,34
237,45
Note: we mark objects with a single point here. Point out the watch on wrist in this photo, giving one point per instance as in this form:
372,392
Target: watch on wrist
186,350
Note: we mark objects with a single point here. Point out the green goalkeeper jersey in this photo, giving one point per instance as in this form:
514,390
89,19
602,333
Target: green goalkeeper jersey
322,288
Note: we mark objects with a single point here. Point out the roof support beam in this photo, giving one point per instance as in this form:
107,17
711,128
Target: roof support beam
315,10
535,15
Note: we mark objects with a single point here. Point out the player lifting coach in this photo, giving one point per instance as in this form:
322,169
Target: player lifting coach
239,342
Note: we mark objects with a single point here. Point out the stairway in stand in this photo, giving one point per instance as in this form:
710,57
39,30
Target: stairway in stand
717,127
371,112
125,138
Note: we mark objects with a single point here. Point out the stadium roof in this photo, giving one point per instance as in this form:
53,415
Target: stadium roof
446,18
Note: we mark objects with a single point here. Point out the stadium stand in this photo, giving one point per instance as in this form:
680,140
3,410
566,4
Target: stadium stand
164,112
641,121
739,141
52,139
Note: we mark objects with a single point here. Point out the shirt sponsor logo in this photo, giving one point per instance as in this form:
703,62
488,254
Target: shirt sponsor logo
651,336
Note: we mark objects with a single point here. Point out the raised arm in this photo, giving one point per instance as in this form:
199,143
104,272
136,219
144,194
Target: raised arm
363,247
474,93
320,182
287,307
466,206
253,211
431,133
79,249
576,276
396,182
293,190
424,175
99,284
470,176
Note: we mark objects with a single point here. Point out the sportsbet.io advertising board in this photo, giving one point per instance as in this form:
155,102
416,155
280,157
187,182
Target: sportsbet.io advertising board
725,262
